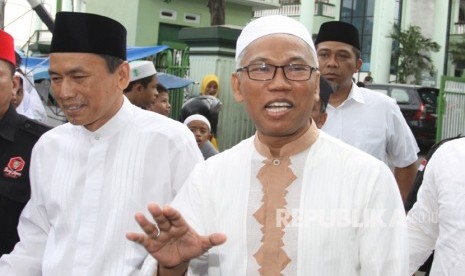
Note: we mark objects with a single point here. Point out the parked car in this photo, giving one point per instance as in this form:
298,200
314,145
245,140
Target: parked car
418,105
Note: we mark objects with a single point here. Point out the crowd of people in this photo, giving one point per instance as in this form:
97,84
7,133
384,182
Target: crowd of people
122,189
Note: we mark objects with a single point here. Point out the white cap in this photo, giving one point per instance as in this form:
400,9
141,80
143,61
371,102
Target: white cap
197,117
273,24
141,69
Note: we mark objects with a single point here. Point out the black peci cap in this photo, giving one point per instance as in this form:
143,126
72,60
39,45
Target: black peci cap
77,32
338,31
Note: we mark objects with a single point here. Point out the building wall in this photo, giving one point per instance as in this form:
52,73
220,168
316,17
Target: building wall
456,34
440,35
126,14
420,13
142,17
381,44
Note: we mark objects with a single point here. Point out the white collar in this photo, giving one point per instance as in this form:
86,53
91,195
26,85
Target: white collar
115,124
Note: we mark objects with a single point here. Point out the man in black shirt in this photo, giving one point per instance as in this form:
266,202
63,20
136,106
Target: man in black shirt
18,134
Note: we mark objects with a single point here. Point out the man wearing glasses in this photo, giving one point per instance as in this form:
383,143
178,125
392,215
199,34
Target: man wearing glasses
290,200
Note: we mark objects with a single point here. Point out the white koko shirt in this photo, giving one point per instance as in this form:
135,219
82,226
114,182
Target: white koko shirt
373,122
31,106
349,219
86,188
437,220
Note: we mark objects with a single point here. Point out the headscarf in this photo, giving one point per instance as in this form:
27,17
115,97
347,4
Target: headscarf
206,80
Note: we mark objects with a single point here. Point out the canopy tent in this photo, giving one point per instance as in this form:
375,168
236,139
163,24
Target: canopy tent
38,66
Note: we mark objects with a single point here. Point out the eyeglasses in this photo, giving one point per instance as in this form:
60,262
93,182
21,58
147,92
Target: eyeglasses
265,71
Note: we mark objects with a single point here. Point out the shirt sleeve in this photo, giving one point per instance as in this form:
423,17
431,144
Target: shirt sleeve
423,227
189,203
184,159
383,236
402,147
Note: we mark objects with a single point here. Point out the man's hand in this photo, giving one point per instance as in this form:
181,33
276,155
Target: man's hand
177,242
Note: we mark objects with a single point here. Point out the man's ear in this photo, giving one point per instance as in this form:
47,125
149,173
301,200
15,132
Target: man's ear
138,87
236,83
15,83
323,118
317,86
358,64
123,75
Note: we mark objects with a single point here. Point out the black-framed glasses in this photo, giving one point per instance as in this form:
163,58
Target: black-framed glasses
265,71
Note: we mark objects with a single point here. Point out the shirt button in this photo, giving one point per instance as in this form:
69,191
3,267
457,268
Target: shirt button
276,162
97,137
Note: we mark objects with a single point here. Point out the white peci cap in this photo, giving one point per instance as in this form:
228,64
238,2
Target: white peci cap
197,117
273,24
141,69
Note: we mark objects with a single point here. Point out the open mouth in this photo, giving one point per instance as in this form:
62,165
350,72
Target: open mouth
278,107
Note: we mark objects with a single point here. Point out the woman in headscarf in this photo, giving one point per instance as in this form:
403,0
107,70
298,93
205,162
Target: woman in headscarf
210,85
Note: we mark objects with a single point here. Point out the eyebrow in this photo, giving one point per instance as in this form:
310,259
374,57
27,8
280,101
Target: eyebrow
289,61
72,71
331,50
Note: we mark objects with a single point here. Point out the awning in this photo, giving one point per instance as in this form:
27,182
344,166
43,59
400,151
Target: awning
39,66
134,53
173,82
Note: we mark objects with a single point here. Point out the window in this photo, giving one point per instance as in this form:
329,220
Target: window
400,95
289,2
360,14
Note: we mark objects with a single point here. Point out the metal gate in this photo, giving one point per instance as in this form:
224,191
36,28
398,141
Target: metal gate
451,108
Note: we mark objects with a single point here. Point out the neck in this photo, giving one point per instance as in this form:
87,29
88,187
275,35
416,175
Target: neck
4,110
276,143
340,94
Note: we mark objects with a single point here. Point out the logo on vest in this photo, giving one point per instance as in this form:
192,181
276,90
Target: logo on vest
14,168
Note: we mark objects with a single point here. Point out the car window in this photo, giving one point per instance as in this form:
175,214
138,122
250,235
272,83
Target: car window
400,95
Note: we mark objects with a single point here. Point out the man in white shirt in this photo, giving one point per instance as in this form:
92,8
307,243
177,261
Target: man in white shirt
89,176
31,105
358,116
290,200
437,220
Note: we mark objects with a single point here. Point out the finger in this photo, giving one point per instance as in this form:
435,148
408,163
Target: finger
136,237
157,213
154,210
212,240
174,216
150,244
148,227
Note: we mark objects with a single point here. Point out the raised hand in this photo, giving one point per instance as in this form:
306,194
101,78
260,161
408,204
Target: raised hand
175,242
